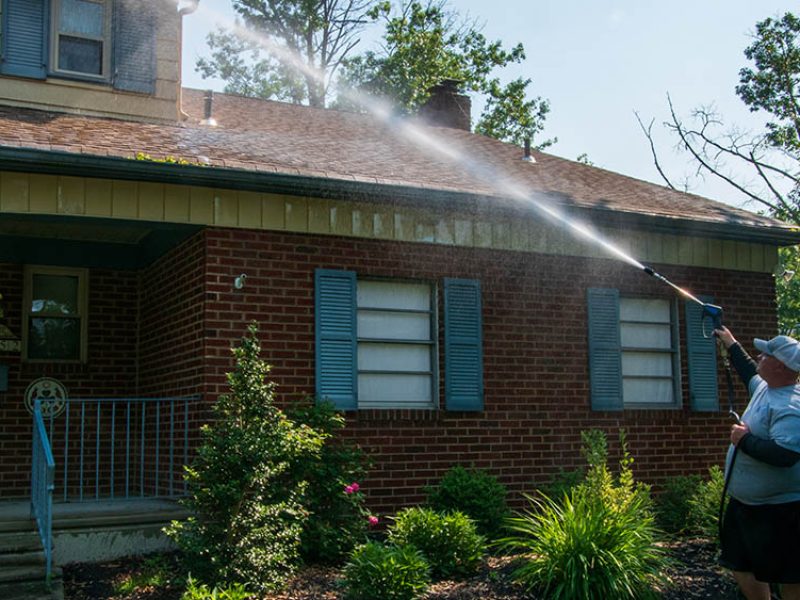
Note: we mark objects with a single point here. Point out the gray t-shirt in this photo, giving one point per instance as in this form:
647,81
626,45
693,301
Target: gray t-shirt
774,414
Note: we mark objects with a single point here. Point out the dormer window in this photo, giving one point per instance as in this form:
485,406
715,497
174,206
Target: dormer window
80,38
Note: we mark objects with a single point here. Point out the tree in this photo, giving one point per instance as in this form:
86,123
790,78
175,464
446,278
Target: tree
771,158
425,44
285,49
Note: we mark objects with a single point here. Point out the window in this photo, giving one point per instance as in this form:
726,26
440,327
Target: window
649,351
377,342
80,38
55,307
396,344
633,353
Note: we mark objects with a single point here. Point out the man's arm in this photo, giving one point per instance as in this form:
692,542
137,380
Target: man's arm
767,451
745,366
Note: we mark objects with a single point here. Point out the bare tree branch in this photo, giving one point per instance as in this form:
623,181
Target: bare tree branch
648,133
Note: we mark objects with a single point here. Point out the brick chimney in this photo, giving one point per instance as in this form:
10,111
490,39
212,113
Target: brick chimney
447,107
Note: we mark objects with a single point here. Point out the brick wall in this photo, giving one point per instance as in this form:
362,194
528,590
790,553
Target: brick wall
535,364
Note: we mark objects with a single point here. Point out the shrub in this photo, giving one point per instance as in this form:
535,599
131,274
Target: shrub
196,591
599,541
475,493
584,548
704,505
244,496
337,519
379,572
673,506
449,541
563,482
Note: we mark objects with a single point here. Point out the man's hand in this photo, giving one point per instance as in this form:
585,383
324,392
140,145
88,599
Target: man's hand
725,336
738,432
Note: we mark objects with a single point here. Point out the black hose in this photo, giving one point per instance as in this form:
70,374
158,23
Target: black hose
732,412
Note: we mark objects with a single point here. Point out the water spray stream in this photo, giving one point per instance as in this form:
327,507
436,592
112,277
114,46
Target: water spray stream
423,139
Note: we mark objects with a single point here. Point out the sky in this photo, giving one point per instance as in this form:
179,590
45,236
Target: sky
598,61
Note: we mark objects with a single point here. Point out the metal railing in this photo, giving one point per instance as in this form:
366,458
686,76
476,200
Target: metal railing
124,448
43,469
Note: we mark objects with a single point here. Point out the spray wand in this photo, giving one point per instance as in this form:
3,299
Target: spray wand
710,311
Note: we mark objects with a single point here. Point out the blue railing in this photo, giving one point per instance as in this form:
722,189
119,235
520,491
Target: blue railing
124,448
43,469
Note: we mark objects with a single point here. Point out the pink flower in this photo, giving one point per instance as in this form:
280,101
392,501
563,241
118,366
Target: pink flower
352,488
372,521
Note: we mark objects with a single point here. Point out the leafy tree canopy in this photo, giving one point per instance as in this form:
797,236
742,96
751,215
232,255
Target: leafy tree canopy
425,44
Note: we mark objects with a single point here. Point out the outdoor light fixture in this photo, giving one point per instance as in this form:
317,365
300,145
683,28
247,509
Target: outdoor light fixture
238,283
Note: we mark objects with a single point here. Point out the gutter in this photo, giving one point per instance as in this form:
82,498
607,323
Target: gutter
50,162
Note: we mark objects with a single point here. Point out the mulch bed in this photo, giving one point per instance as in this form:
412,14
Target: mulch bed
695,574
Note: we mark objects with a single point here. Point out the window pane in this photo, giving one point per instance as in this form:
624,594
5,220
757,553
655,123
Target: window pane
647,391
409,390
638,309
388,294
646,363
82,17
393,357
394,326
636,335
55,294
54,338
80,55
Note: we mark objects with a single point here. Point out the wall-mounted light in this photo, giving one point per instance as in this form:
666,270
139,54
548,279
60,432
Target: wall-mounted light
238,283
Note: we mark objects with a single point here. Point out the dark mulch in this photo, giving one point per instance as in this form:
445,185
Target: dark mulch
695,575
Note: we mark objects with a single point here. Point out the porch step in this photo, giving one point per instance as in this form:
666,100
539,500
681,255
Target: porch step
22,567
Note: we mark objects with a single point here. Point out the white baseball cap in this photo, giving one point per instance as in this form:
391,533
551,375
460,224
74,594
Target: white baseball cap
782,347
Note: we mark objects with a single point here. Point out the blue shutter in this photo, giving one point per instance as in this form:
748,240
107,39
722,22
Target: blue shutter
335,334
25,38
702,360
134,45
463,345
605,352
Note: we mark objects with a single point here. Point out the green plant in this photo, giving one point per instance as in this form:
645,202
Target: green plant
704,505
337,519
449,541
563,482
474,492
155,572
673,506
197,591
380,572
585,548
245,497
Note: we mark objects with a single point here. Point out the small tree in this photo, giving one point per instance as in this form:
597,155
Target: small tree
246,500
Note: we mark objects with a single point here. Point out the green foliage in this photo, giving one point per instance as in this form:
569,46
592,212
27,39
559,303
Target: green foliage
474,492
155,572
380,572
197,591
449,541
245,496
291,50
771,84
704,505
563,482
673,506
787,290
423,45
584,548
337,517
170,160
599,541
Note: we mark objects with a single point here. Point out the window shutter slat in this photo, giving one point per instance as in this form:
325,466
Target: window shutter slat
135,46
605,354
463,345
25,38
702,361
335,334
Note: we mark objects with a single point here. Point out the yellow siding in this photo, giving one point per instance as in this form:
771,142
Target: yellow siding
22,193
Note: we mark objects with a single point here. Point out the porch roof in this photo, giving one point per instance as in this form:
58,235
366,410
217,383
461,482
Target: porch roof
282,148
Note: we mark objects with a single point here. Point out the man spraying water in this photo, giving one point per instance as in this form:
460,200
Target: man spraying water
760,532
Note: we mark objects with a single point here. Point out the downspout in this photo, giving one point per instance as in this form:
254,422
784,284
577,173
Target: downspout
188,9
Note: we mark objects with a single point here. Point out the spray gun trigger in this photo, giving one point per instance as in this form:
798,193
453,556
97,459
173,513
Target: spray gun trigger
735,416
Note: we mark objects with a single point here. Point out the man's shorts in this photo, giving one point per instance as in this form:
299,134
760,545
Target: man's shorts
763,540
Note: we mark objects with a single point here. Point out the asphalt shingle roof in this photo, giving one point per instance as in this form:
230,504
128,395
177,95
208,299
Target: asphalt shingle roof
274,137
